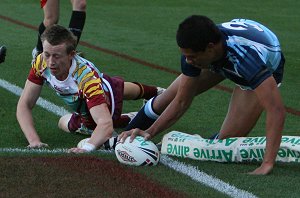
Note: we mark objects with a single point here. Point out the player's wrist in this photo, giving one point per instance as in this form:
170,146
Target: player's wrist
34,142
149,133
88,147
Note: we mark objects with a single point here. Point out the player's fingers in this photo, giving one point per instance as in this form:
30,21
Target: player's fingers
124,135
120,136
134,133
43,145
147,136
81,151
37,146
75,150
71,150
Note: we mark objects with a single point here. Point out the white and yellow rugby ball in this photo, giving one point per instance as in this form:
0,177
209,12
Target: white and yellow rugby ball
137,153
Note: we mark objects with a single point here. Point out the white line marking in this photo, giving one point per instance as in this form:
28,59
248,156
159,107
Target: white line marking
188,170
43,150
204,178
60,111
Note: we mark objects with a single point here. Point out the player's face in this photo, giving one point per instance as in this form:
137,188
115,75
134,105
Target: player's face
201,59
57,59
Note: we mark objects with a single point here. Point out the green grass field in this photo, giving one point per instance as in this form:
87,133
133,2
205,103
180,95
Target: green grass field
145,30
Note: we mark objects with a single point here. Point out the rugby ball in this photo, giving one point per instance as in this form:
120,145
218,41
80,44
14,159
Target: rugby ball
137,153
82,142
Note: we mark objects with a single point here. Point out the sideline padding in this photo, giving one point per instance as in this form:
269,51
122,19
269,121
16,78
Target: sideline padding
236,149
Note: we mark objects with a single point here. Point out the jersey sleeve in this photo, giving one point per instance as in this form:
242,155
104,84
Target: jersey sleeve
254,69
254,52
35,74
188,69
262,75
92,90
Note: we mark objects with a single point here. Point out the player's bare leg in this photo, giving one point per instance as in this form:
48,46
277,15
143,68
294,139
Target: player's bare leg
243,112
51,16
78,16
51,12
78,5
63,122
163,100
135,90
143,120
131,91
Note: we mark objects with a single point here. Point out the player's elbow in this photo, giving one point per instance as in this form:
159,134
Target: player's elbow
22,107
184,103
107,127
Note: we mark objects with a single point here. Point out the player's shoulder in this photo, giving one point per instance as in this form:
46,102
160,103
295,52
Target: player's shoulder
243,21
39,65
81,67
188,69
243,27
84,70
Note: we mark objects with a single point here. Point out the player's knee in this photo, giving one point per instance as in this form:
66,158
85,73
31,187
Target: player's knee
161,102
63,124
223,136
60,124
48,21
229,134
79,5
149,109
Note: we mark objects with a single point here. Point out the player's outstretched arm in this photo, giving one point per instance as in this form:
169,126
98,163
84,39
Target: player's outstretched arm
269,97
25,105
102,132
178,106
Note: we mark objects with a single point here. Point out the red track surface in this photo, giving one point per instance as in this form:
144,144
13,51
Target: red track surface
79,176
113,177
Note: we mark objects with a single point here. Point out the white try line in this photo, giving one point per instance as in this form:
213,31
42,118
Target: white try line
43,151
188,170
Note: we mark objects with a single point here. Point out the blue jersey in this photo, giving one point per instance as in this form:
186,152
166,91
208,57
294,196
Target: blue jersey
252,54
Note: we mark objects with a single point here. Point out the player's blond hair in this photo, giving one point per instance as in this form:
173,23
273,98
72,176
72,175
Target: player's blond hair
57,34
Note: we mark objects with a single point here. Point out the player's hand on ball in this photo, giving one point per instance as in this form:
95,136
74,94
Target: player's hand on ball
37,145
133,133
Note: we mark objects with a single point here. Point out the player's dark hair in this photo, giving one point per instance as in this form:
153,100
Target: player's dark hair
196,31
56,35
